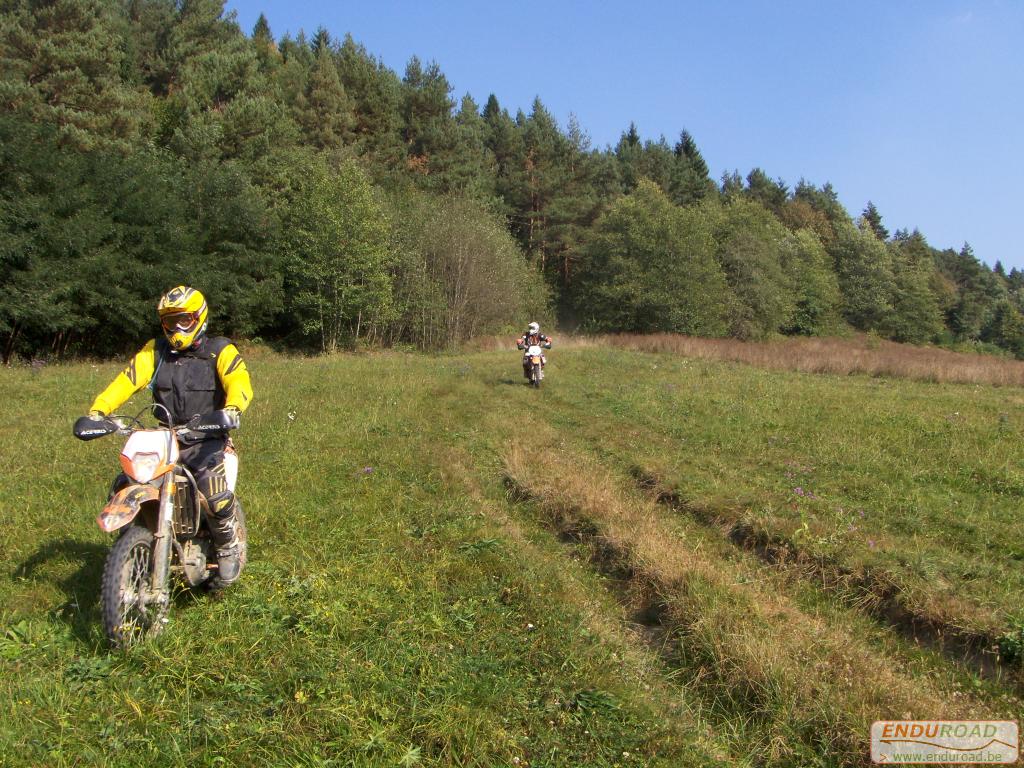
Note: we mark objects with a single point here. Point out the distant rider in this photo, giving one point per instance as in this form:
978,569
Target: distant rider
190,373
533,337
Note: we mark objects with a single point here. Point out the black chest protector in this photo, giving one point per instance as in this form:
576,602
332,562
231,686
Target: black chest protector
186,383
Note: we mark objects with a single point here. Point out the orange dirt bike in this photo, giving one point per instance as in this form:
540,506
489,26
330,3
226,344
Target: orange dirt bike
161,516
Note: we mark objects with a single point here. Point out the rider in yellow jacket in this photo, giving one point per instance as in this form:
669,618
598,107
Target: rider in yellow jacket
191,374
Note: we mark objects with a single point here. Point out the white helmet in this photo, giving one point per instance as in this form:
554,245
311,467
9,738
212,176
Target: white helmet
534,327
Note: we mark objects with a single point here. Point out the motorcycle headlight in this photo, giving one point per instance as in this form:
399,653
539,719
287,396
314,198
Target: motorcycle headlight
144,466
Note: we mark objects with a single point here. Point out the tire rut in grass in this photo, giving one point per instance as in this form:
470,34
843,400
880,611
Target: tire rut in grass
875,592
799,683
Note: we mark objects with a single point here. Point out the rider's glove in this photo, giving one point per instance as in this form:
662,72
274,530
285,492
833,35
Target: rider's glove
97,415
234,416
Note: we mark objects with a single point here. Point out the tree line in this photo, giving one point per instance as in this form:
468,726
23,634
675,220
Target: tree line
322,201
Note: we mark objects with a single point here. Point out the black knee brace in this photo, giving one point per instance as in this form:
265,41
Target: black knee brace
220,498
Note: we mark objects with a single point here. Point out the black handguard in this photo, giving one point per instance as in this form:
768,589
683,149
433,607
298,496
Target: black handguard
89,427
218,421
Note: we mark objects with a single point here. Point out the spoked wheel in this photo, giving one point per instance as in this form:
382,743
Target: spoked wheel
127,576
535,377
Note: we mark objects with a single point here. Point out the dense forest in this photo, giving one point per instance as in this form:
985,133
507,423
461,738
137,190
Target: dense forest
322,201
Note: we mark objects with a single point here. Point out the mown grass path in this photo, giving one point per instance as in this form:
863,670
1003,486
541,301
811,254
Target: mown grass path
401,609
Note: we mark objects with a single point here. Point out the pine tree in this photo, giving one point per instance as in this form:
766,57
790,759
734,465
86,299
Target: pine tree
261,31
545,176
267,53
874,220
978,290
629,153
473,166
377,95
149,28
324,110
429,127
505,141
321,42
732,184
818,209
61,63
689,182
771,194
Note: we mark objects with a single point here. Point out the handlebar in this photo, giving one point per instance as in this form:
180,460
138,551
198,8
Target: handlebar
90,428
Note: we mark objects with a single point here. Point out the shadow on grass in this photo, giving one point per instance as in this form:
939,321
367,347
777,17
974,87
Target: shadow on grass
82,588
81,611
511,381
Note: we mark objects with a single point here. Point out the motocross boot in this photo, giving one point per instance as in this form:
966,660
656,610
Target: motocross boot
224,531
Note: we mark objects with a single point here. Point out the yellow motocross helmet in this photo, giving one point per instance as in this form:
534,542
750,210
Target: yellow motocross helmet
183,314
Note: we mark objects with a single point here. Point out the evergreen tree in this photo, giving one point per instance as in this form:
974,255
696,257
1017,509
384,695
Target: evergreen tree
235,256
1006,328
324,110
874,221
429,128
473,167
576,205
377,95
827,215
321,43
267,53
978,290
689,181
505,141
61,63
210,63
629,152
261,31
732,184
68,222
771,194
149,31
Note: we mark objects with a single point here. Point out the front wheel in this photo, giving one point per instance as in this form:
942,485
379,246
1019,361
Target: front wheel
535,375
127,616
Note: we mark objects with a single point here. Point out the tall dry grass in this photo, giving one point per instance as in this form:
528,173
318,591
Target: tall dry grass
815,687
861,354
842,356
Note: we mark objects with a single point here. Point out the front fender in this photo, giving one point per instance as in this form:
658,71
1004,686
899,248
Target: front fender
125,505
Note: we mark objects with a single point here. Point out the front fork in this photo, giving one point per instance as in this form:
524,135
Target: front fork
163,536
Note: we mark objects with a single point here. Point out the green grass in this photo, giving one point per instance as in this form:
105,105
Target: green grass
401,609
920,482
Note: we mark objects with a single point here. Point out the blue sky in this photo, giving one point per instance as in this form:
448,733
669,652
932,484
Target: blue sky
916,106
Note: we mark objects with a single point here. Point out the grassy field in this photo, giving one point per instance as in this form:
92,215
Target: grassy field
654,560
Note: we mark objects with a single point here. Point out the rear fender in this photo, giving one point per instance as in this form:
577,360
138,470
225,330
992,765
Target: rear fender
125,505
